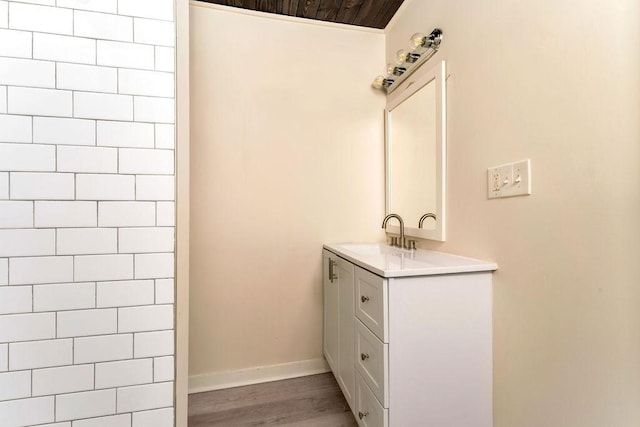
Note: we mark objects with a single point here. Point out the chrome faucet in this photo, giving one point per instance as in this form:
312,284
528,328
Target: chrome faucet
402,243
425,216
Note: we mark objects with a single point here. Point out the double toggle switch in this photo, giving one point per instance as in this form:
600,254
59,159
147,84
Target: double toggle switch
511,179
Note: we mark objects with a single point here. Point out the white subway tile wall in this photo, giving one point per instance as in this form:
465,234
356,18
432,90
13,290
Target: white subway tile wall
53,47
27,72
66,379
15,385
86,77
40,18
27,412
27,157
4,186
150,31
150,344
144,397
155,418
87,223
69,296
4,357
125,293
42,186
4,271
15,128
105,187
39,102
3,99
15,299
124,373
123,420
105,106
143,161
85,405
155,187
163,369
103,348
154,109
164,291
15,43
126,214
16,214
126,55
87,159
53,130
4,14
40,270
27,242
103,26
40,354
165,136
165,59
165,213
126,134
109,6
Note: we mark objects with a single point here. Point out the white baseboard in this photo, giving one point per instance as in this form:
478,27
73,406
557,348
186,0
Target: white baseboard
261,374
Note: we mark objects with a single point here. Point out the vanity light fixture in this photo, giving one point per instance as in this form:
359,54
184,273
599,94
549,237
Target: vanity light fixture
422,48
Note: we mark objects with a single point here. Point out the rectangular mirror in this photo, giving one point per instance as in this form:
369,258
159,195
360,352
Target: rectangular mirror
416,153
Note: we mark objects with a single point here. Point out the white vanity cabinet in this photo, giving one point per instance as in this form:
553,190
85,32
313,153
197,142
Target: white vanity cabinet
419,342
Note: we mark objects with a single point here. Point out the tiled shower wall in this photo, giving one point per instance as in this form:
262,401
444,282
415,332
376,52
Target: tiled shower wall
87,213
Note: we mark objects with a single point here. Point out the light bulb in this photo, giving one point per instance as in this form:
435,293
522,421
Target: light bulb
391,69
418,40
378,82
401,56
395,70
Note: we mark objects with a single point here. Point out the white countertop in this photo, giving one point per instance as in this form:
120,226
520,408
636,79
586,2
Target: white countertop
388,261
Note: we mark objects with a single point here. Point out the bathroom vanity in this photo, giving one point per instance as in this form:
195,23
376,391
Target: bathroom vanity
408,335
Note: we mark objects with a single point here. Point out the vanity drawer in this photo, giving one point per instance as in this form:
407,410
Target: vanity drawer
372,361
368,410
371,302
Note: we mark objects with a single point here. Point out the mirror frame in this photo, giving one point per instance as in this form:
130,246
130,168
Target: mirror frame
420,78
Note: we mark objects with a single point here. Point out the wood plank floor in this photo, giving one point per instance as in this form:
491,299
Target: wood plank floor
313,401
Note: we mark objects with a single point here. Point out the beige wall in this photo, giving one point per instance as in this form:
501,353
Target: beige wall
557,82
287,153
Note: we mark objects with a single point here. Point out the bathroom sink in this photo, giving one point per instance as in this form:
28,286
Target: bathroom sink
390,261
370,248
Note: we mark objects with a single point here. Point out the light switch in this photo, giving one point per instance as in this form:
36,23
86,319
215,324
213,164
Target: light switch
521,178
511,179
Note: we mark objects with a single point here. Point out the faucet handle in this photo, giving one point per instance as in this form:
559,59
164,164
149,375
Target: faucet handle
411,244
394,241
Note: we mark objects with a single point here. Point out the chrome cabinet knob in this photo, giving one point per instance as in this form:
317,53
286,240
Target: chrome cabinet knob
361,414
364,299
364,356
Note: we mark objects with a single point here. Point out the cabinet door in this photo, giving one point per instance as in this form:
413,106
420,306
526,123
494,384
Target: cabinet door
347,346
331,310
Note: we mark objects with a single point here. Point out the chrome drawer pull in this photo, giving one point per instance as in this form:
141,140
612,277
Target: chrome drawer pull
361,415
364,299
364,356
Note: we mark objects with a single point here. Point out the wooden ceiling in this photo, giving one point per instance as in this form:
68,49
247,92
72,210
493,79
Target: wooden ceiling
364,13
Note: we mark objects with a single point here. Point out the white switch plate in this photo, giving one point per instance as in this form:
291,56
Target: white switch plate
511,179
521,179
